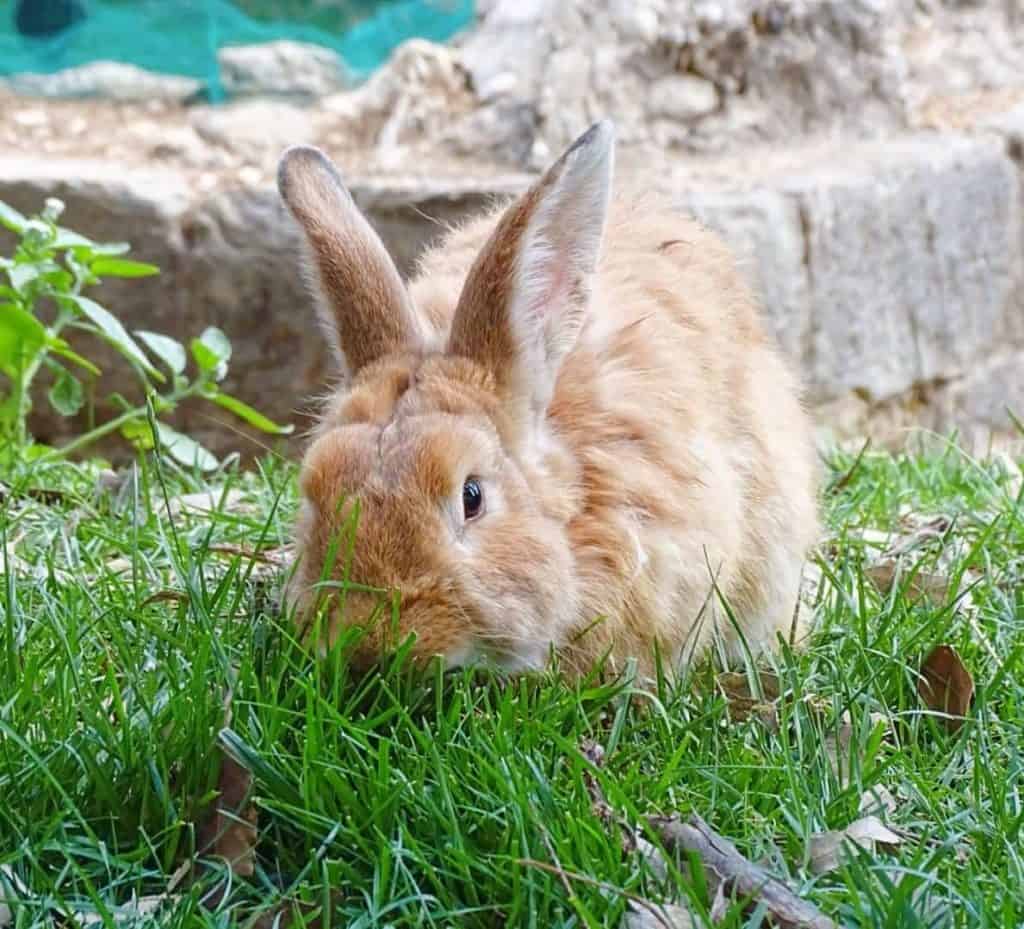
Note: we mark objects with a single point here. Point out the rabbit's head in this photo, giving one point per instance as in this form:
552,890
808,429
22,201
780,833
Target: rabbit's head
437,452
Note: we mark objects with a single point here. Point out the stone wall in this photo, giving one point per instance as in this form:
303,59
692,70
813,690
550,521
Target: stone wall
885,238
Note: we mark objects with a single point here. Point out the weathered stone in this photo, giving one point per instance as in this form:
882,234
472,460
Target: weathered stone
253,126
912,254
682,96
745,69
111,80
282,69
231,260
763,227
981,400
418,95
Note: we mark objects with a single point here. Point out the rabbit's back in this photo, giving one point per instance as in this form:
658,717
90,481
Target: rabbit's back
680,458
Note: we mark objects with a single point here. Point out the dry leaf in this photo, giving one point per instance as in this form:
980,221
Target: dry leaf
119,565
11,891
876,538
919,531
652,857
946,686
743,702
825,849
259,565
278,557
837,744
878,800
129,914
11,561
214,500
658,916
935,588
812,585
230,830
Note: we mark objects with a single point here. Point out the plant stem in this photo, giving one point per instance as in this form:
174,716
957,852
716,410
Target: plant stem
87,438
112,425
24,383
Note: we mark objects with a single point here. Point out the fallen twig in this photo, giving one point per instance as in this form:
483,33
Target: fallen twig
741,878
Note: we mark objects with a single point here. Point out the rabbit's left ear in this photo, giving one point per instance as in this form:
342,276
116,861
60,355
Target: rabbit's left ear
526,296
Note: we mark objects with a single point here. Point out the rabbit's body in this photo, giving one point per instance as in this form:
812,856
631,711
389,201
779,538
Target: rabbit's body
666,470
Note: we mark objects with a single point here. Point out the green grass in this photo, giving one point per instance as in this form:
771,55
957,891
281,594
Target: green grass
414,800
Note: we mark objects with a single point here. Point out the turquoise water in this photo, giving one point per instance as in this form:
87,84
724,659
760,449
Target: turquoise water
182,36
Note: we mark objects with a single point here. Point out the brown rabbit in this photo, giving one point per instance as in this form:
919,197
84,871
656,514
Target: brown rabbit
569,432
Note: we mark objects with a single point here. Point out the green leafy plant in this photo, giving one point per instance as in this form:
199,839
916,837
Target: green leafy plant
48,273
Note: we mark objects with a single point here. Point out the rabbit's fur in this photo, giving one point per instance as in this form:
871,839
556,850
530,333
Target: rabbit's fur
598,365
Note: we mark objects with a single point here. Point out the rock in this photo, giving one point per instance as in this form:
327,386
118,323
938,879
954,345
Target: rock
683,97
30,119
747,71
981,399
413,100
763,227
180,143
111,80
913,249
228,258
253,126
282,69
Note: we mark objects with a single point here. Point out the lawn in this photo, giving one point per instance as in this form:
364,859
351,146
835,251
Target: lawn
140,644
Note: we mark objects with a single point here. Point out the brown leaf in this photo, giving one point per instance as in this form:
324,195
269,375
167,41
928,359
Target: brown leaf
658,916
11,891
932,587
918,530
215,500
278,557
742,700
229,832
946,686
877,800
825,849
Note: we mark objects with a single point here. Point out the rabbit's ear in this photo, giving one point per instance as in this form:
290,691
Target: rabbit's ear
365,305
526,296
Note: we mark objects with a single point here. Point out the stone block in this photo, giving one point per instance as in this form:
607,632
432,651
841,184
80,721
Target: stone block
912,259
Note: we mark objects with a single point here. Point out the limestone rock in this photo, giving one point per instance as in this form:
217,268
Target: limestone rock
260,126
282,69
111,80
413,99
763,228
682,96
912,252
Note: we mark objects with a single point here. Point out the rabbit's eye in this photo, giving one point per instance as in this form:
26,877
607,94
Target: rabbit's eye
472,498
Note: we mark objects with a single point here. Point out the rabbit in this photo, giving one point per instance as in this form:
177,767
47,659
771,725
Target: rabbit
569,435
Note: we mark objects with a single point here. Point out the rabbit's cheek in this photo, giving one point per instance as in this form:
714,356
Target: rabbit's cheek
521,587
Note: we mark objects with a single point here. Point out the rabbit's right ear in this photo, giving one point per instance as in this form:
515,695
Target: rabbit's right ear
365,304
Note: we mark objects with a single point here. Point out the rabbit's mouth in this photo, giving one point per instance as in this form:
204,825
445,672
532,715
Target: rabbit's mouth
501,658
